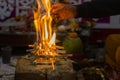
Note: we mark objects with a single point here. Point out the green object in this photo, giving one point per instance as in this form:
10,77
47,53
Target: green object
73,45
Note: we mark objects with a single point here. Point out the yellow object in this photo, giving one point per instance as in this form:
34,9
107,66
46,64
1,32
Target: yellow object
118,55
112,50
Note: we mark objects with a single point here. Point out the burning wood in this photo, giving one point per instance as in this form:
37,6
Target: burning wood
44,46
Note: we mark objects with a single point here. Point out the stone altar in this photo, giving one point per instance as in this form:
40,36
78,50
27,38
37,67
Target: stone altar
26,70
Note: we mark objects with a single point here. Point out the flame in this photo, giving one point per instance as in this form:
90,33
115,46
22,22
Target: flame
45,36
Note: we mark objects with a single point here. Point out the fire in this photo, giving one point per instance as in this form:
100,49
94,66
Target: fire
45,37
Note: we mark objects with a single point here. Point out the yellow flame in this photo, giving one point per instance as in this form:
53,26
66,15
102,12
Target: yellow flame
45,37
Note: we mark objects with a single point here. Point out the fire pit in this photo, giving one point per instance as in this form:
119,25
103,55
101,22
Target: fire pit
43,62
25,70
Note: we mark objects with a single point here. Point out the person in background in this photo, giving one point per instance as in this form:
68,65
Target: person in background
93,9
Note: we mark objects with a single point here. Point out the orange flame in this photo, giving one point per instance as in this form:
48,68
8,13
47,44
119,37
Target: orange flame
45,37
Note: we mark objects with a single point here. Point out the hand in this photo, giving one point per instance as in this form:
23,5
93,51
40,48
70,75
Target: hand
63,11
